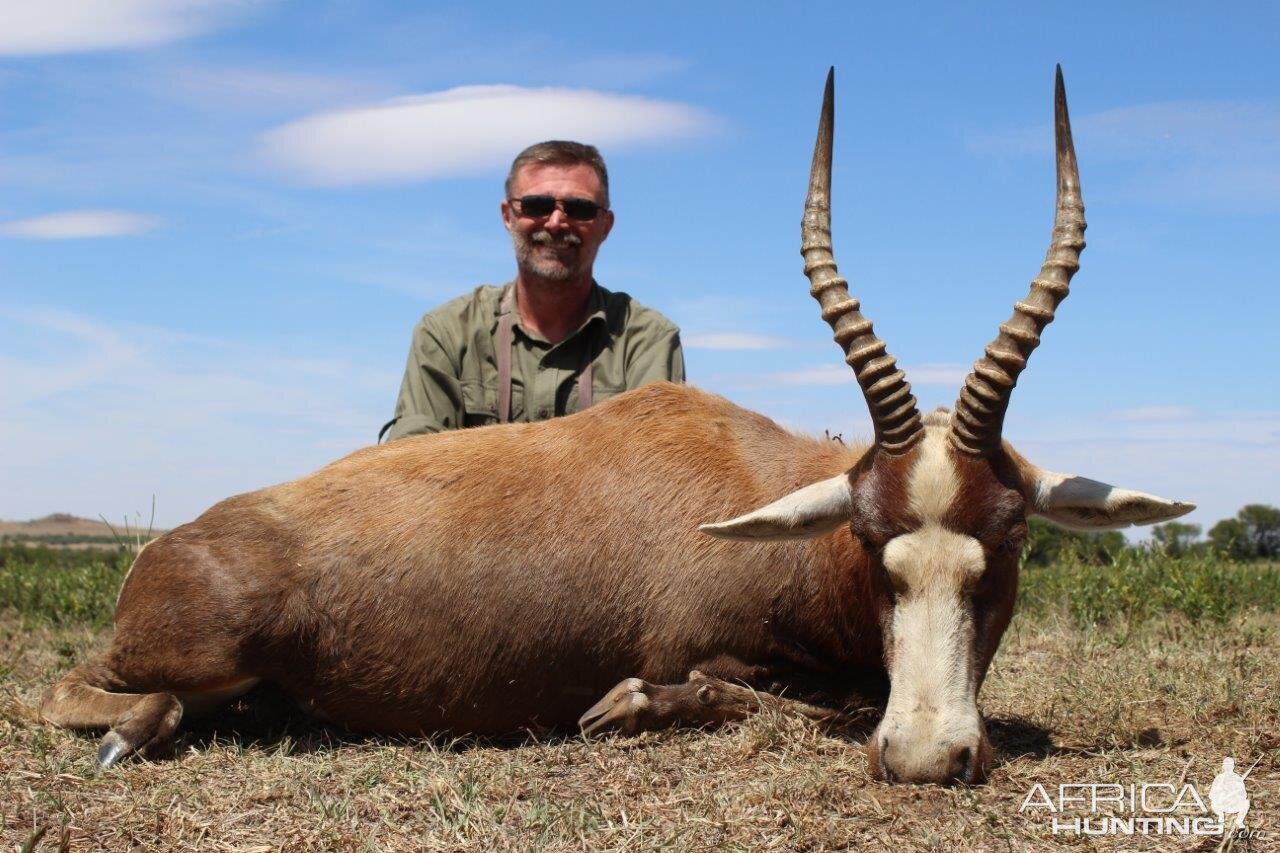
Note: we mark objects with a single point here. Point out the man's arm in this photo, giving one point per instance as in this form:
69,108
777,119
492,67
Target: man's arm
654,354
430,397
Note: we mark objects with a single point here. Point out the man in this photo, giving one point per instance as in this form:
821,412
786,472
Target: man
552,341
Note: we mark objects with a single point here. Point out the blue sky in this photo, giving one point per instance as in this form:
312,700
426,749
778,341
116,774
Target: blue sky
220,220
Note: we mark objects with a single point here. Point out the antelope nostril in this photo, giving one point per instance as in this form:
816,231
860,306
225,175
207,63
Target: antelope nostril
882,748
962,763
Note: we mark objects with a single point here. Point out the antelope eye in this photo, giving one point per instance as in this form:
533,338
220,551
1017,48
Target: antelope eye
866,542
871,542
1015,538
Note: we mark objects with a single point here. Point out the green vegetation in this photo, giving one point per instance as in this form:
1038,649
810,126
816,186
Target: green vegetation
105,540
1100,579
1139,584
1092,579
1175,538
1048,544
1254,532
60,586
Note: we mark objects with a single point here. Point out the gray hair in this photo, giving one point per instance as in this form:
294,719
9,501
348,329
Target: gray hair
559,152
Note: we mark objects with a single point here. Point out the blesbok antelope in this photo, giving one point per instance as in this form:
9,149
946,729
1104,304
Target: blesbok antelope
493,579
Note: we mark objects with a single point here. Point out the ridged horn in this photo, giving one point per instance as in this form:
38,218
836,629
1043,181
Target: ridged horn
885,387
979,416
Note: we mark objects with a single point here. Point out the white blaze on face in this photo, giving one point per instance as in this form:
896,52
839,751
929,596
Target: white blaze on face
932,712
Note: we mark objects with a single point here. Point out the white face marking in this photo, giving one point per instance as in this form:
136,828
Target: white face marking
932,621
932,708
934,483
933,556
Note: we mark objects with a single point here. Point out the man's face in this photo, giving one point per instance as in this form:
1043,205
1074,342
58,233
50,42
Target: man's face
555,247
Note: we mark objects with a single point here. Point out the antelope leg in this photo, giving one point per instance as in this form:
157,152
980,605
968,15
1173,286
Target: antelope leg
635,705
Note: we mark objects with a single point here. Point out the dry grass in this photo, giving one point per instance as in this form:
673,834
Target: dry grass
1065,706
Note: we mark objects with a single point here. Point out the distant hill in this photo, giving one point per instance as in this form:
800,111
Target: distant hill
61,528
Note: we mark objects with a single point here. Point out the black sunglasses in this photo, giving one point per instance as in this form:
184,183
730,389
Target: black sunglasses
538,206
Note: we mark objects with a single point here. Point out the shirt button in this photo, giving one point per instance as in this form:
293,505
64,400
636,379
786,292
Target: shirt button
542,413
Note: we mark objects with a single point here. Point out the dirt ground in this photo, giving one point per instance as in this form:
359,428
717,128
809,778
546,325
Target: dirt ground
1161,704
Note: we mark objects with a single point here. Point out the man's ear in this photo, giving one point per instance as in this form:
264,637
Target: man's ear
1083,504
806,512
505,209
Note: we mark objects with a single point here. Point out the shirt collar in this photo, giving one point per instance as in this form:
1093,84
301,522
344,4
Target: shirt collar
597,309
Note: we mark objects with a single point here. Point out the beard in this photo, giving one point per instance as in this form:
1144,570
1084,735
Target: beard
562,263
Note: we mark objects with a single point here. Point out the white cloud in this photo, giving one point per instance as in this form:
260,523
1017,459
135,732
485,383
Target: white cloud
827,374
1219,477
1175,424
75,224
107,353
733,341
466,130
1223,152
32,27
1219,461
1144,130
250,89
96,418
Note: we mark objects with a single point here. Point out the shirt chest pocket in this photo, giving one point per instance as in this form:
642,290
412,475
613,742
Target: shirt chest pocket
600,391
480,403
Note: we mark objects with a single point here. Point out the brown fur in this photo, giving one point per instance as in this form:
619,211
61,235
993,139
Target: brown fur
487,580
494,579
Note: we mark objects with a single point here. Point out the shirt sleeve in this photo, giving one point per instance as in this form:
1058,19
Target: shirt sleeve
430,397
655,355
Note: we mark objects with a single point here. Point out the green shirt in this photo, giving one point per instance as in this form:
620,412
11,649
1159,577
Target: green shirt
451,378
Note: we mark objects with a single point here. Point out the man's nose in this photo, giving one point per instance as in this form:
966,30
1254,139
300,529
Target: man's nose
557,221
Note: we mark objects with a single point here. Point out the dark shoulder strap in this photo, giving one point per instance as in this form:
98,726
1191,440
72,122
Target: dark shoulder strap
584,382
506,317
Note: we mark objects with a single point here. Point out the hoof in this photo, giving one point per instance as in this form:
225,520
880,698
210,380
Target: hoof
112,749
619,705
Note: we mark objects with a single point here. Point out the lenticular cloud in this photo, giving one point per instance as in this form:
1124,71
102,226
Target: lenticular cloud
466,130
76,224
70,26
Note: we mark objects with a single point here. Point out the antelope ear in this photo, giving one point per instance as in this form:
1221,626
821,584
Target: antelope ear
806,512
1083,504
